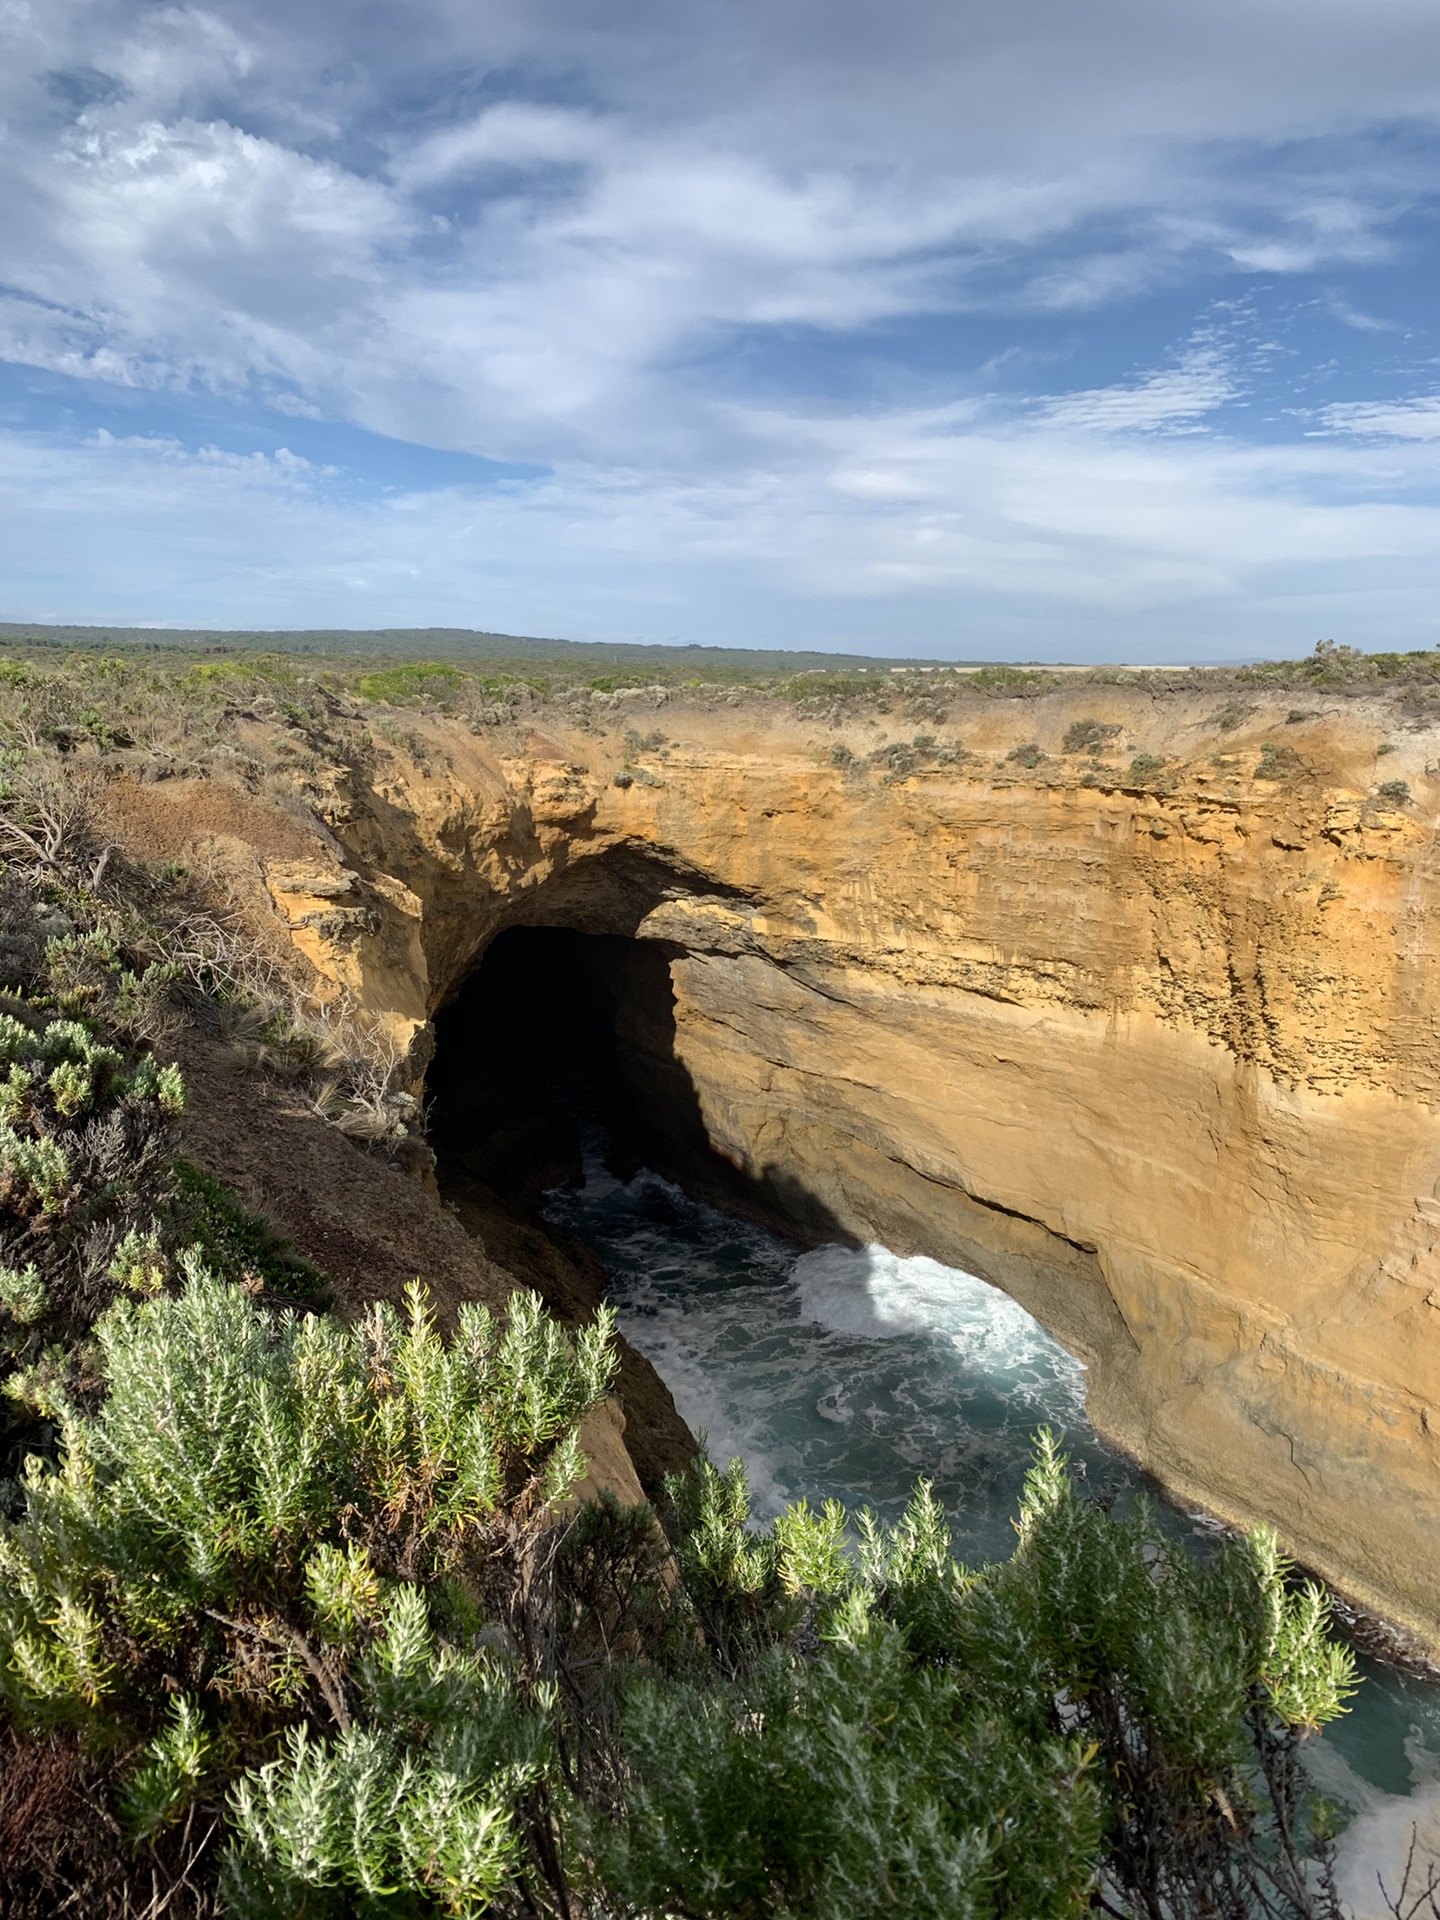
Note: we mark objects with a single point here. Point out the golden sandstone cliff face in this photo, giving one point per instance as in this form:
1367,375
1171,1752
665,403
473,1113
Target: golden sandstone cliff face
1159,1059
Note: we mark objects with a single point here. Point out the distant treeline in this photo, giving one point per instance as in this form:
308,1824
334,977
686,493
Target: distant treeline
496,651
401,664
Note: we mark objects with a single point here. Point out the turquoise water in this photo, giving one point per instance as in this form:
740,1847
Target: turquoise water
850,1372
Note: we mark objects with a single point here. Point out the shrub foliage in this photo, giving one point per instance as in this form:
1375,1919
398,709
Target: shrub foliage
307,1618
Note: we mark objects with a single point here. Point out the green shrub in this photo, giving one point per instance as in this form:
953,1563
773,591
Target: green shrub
85,1143
1145,766
415,1690
1089,736
1009,680
901,758
971,1742
397,686
1396,791
1027,756
827,686
298,1517
1277,763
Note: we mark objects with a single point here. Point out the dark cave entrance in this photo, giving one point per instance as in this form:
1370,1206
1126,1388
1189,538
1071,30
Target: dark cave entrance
554,1034
554,1031
559,1029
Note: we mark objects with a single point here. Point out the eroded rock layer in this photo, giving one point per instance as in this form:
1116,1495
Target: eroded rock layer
1153,1046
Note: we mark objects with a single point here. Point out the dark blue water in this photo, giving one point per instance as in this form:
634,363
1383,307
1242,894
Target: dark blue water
849,1373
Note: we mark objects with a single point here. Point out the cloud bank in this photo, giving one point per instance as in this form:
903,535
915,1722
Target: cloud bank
1003,328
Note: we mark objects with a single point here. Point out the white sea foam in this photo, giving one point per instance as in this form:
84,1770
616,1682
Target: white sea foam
874,1294
1375,1847
878,1295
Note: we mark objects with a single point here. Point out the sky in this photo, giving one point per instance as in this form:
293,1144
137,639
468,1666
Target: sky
966,328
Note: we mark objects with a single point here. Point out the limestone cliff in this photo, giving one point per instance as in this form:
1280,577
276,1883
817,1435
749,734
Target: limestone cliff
1153,1046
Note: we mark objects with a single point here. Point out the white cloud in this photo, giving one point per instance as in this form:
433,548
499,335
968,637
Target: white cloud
1175,399
582,251
282,468
515,134
505,229
1401,420
1063,535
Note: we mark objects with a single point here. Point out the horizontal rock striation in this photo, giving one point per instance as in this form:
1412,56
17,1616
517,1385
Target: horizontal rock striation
1144,1032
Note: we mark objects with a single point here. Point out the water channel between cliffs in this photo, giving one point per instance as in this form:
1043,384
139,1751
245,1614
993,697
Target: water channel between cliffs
849,1372
841,1371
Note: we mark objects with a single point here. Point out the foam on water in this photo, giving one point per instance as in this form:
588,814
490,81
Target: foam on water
846,1372
850,1372
1375,1851
878,1295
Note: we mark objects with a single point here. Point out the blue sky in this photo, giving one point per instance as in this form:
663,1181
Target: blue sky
967,327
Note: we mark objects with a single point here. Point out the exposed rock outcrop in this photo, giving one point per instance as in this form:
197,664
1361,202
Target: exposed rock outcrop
1153,1046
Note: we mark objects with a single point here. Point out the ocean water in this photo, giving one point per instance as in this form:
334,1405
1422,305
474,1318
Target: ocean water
850,1372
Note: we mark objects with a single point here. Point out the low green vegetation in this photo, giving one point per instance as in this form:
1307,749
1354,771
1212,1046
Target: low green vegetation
1146,767
308,719
395,685
1277,763
1010,680
1341,669
311,1607
1089,736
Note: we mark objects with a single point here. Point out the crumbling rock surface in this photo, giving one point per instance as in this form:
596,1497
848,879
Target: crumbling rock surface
1156,1051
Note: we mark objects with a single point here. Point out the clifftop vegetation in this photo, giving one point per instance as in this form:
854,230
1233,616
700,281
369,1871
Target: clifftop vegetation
465,672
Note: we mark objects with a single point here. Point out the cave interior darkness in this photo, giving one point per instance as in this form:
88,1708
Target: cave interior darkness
555,1028
554,1031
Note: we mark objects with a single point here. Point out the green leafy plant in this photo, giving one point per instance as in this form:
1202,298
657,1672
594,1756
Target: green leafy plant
981,1742
1277,763
411,1683
1089,736
1145,767
400,685
299,1517
1004,681
85,1139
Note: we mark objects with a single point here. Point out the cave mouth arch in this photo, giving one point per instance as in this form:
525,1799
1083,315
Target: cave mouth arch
560,1046
580,1017
560,1039
556,1042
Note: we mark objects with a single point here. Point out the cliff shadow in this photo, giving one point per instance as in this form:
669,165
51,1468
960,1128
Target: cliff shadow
563,1043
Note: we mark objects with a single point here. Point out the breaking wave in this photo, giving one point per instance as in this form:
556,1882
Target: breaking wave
851,1372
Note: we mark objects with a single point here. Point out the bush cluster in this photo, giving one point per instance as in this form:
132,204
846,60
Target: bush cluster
312,1609
322,1579
1089,736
